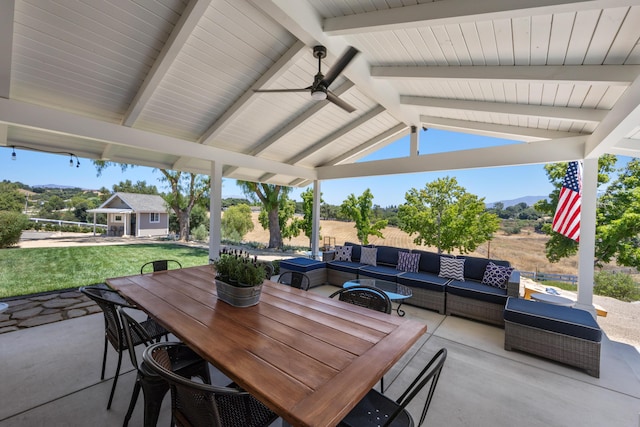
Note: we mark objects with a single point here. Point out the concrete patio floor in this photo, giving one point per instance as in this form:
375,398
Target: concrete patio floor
50,376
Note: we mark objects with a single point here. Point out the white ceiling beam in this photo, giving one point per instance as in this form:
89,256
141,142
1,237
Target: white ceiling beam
7,10
548,112
627,147
242,103
108,152
515,133
561,150
302,20
374,144
336,135
621,122
4,132
170,51
458,12
65,123
609,75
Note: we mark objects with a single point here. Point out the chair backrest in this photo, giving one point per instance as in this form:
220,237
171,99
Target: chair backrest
161,265
196,404
365,296
133,333
430,374
295,279
109,300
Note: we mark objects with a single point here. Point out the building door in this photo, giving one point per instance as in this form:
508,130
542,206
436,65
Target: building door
134,231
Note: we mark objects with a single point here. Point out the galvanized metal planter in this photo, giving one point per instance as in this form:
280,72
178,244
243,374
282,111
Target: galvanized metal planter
238,296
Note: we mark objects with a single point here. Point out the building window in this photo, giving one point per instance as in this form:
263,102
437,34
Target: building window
154,217
117,218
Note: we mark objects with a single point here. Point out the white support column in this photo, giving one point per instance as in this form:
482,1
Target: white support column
587,248
315,233
415,142
215,210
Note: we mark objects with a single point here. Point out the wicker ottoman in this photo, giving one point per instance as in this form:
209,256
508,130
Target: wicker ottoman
564,334
316,270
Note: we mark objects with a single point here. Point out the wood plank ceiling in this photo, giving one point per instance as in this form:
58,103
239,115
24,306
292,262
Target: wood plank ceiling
170,83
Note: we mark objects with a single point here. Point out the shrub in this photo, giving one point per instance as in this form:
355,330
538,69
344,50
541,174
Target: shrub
11,226
616,285
201,233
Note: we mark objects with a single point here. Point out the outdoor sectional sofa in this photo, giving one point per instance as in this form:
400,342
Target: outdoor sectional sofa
464,296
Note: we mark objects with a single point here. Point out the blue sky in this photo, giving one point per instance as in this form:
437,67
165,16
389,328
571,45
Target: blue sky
494,184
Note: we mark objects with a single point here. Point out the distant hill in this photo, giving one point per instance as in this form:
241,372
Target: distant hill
529,200
52,186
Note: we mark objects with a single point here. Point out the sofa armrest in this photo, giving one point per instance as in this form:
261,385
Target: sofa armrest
513,285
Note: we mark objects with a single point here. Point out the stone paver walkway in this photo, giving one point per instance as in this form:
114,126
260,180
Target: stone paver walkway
35,310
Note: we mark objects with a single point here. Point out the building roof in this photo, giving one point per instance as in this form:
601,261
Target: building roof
139,203
172,85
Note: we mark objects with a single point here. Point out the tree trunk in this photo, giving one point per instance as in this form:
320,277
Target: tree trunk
183,224
275,236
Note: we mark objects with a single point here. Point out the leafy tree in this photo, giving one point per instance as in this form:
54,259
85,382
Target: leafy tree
306,224
10,198
289,225
269,195
236,222
359,209
444,215
559,246
11,226
139,187
618,219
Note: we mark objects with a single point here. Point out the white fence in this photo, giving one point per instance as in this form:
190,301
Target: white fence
61,222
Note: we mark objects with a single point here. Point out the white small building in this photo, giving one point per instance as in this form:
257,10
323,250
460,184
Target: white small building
131,214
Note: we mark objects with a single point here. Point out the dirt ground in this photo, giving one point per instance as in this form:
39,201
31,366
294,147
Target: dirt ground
621,324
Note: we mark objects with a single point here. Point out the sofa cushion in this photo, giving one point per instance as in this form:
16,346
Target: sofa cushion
478,291
429,261
301,264
346,266
452,268
563,320
368,256
408,261
497,275
388,255
355,251
379,272
343,253
422,280
474,267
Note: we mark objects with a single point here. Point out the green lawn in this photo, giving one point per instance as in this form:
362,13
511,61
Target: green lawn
30,271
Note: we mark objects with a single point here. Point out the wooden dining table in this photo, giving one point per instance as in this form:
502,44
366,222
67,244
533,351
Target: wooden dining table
308,357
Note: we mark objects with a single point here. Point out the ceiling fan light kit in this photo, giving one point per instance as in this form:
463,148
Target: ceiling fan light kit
319,89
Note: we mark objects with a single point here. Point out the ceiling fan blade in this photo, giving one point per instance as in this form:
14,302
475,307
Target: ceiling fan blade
340,65
332,97
283,90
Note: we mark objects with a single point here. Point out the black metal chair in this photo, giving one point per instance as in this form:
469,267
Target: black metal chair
376,409
295,279
109,300
365,296
153,386
195,404
161,265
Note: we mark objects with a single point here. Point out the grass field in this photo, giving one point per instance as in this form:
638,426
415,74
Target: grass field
29,271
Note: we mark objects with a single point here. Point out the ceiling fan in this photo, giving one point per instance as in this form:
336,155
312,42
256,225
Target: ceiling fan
319,89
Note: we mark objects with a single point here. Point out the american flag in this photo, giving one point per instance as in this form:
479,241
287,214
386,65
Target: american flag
566,221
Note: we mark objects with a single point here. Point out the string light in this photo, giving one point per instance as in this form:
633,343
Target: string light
71,155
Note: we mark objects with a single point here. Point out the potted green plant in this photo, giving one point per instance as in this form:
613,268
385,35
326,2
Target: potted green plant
239,278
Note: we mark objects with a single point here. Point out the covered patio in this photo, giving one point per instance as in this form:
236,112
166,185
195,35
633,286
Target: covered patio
56,369
176,85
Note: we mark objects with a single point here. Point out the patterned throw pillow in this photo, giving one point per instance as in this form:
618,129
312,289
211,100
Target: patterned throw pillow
368,255
452,268
408,261
343,253
497,275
